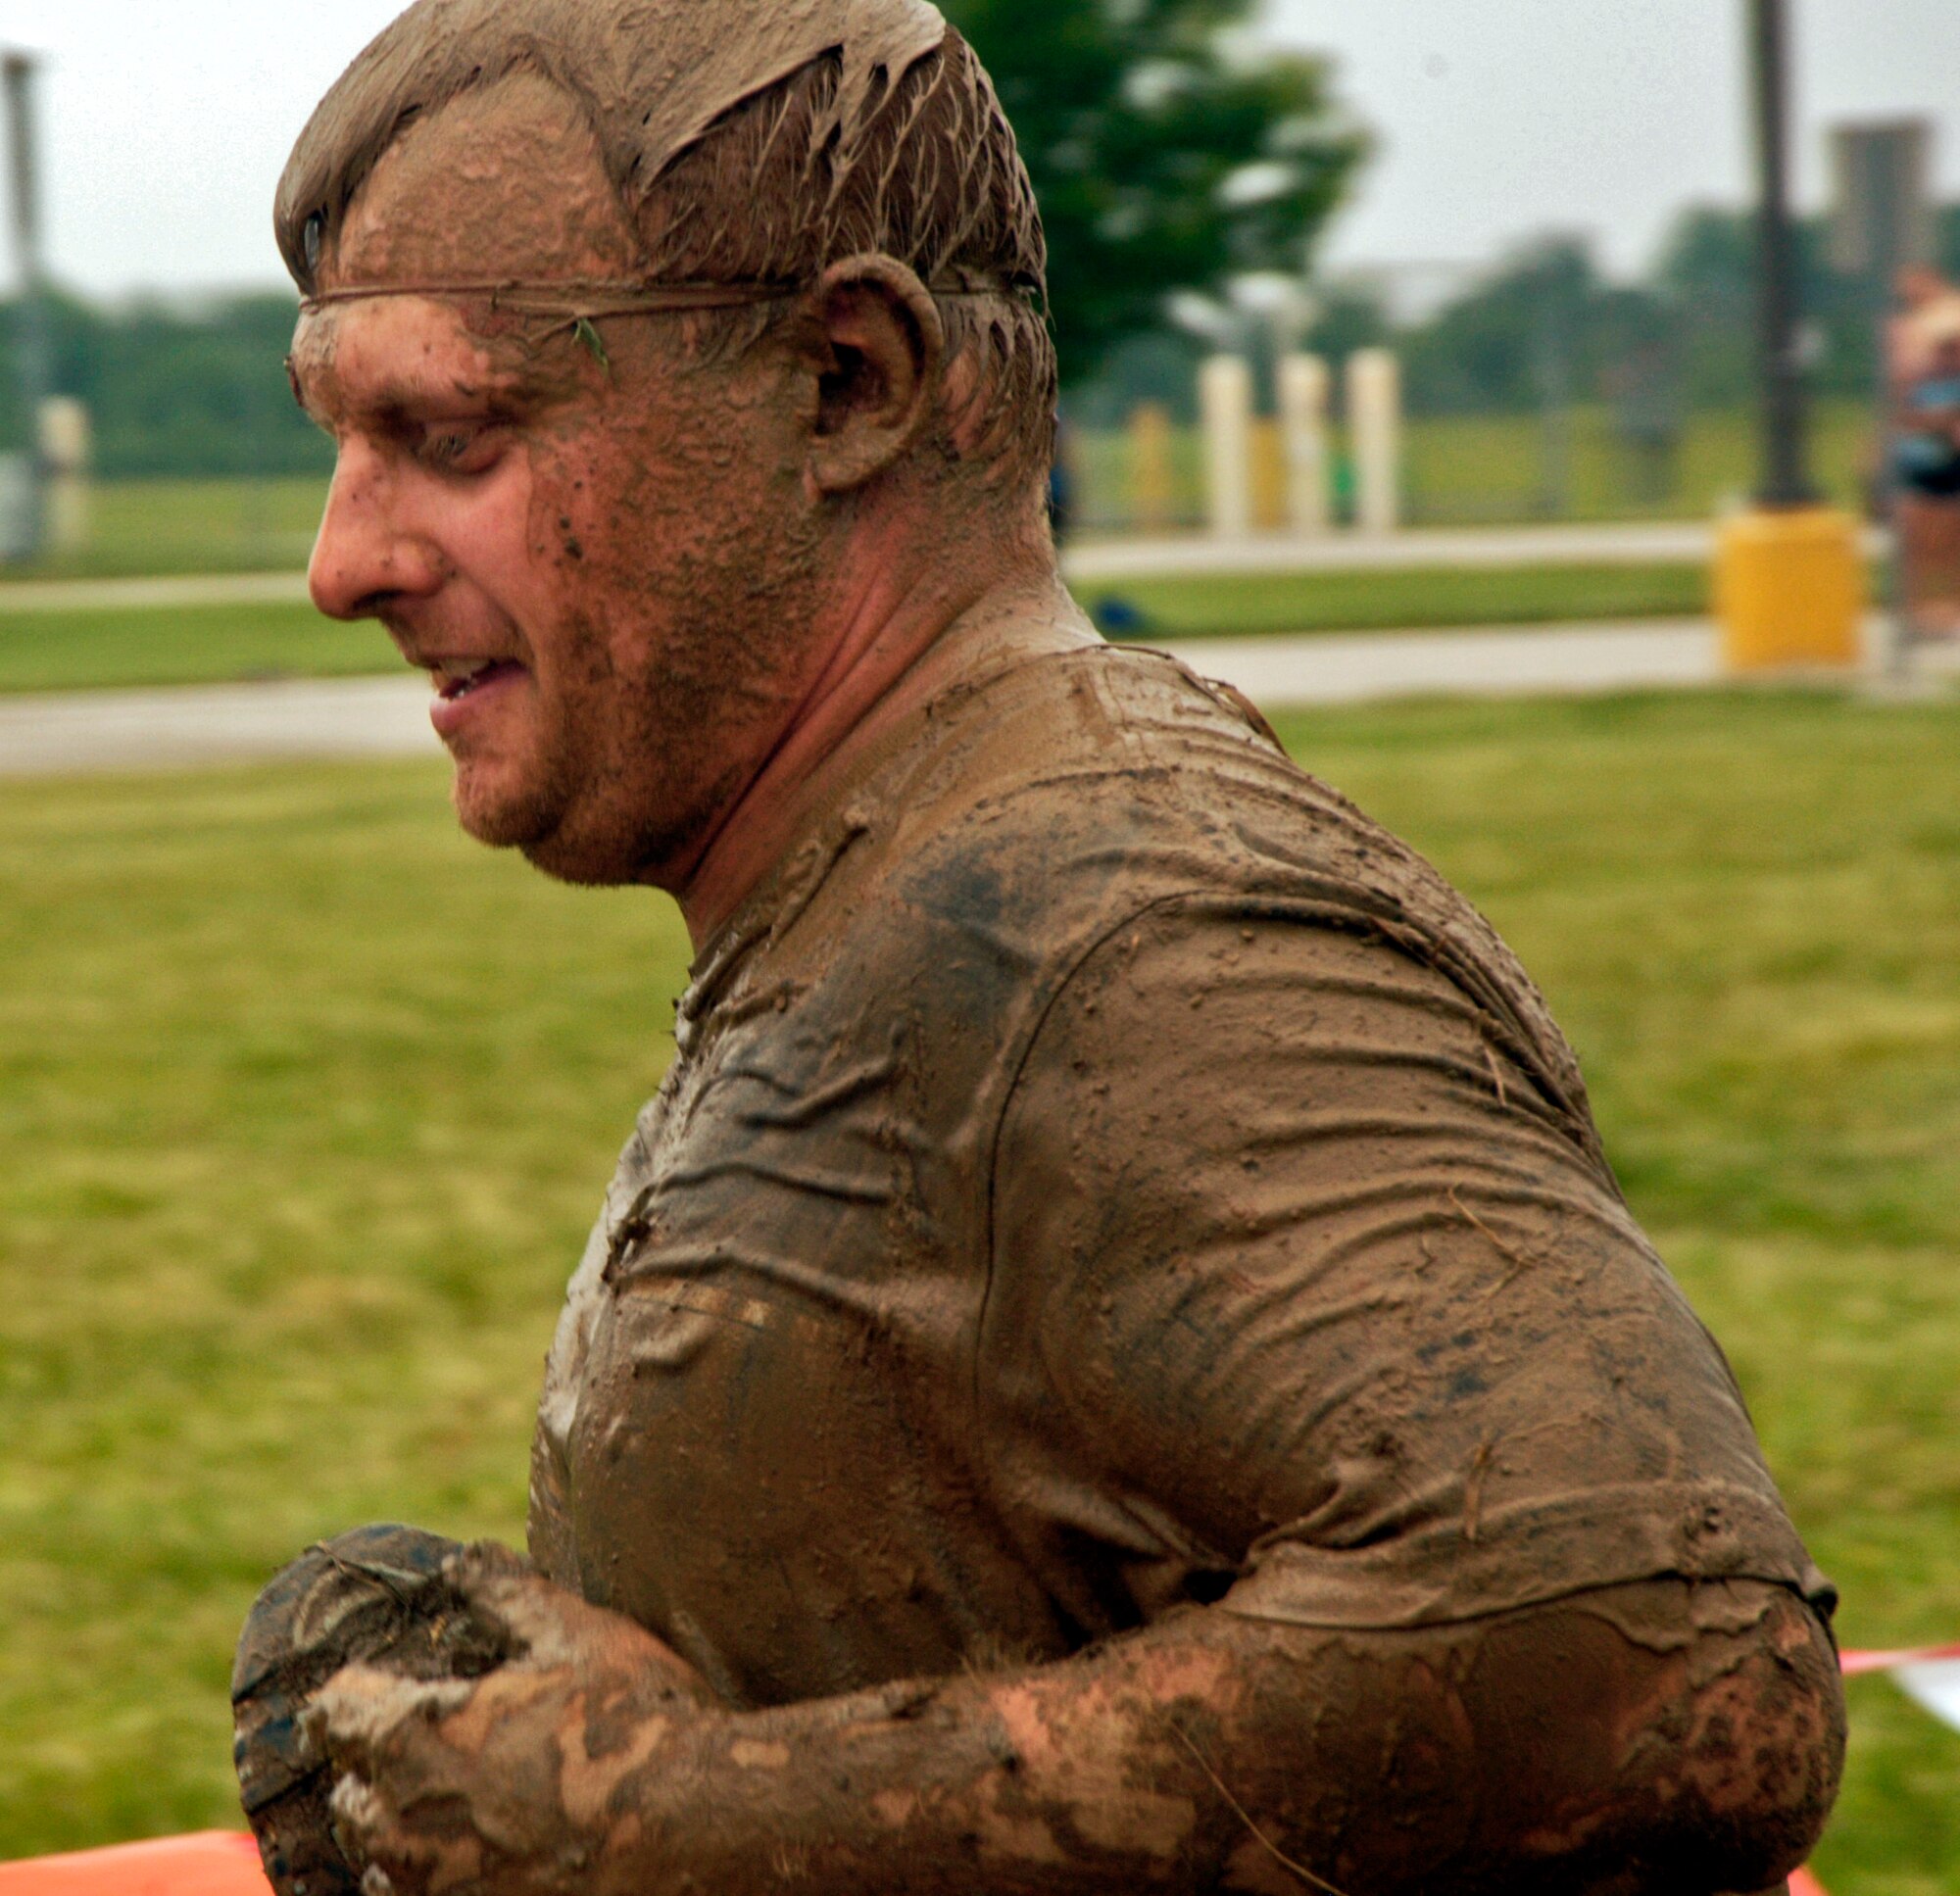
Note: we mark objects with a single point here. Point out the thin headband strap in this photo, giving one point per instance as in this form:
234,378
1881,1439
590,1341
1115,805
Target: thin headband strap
577,301
571,298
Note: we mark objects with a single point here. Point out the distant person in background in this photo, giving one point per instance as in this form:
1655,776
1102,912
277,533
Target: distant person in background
1061,483
1924,372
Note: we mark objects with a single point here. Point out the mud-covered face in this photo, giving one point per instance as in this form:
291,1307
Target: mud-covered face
598,548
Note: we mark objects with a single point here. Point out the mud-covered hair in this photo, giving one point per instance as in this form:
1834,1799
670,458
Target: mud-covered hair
748,141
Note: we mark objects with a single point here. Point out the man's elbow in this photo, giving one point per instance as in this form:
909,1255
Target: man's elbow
1655,1737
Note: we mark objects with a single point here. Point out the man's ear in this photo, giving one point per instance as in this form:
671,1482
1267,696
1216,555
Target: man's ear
880,353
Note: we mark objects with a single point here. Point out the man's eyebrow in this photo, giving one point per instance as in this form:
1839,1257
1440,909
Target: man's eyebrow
405,395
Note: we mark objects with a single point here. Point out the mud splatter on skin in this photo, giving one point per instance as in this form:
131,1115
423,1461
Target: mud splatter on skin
1432,1761
694,543
659,662
781,631
649,79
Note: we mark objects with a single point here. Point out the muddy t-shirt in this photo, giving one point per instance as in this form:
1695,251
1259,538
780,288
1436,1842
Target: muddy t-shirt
1103,1172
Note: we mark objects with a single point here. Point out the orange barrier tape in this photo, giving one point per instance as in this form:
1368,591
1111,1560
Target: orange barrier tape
220,1864
217,1863
1855,1661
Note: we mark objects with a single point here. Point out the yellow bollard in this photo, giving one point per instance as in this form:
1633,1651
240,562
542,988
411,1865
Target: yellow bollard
1151,498
1789,588
1269,474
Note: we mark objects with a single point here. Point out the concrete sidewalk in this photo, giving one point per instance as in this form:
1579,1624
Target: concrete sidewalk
1661,543
70,733
1488,661
1656,543
79,732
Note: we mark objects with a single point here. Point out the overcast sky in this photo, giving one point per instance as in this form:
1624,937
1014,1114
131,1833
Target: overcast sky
167,120
1499,118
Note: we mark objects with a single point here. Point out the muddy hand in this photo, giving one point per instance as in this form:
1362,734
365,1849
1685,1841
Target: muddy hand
519,1782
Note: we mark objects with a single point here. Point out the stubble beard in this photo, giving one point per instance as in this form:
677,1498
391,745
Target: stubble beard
632,767
637,756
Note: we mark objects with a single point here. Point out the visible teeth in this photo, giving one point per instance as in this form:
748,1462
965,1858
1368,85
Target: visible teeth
453,680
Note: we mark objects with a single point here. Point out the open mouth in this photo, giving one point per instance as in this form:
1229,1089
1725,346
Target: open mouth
454,682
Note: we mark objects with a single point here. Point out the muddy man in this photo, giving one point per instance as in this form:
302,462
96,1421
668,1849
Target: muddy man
1115,1360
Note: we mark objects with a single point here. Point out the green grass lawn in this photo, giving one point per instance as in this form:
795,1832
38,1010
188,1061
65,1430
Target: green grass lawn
1368,602
183,645
1489,467
193,527
306,1104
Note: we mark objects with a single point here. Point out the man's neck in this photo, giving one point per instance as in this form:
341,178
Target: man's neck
905,636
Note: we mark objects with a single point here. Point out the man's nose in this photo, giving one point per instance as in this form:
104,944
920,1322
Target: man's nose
365,552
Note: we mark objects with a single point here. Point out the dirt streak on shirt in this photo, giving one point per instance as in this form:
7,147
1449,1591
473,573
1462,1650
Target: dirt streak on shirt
1103,1172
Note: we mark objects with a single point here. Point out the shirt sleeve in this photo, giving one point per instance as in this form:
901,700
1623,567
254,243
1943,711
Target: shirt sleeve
1291,1257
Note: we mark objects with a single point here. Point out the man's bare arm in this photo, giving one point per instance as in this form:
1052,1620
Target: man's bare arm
1544,1749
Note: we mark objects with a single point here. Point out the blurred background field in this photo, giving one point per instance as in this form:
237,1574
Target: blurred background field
97,647
308,1104
209,524
1466,468
186,645
1499,469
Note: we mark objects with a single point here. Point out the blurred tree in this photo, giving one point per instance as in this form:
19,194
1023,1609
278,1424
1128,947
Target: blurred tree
1164,159
1708,267
1347,320
1546,326
1157,366
1708,270
1527,328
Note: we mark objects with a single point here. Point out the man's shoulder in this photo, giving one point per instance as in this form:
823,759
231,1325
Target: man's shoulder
1074,792
1035,814
1111,775
1074,797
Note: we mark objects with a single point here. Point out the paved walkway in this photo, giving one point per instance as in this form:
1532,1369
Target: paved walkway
1683,543
1346,668
149,730
58,734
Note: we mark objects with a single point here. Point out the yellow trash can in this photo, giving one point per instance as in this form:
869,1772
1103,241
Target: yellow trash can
1789,588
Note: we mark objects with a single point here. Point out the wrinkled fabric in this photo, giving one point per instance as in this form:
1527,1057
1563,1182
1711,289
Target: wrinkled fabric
1102,1172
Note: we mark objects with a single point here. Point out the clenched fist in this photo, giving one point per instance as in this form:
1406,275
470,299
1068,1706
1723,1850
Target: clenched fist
418,1716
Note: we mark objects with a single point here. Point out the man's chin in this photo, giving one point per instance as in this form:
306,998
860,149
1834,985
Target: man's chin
536,826
583,868
502,815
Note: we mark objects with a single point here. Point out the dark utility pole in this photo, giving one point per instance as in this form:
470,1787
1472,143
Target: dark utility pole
33,354
1785,472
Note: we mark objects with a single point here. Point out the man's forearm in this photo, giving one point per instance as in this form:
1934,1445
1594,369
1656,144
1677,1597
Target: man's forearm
1155,1762
1540,1751
1605,1745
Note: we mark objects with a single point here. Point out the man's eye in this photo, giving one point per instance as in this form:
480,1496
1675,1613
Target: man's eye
460,449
